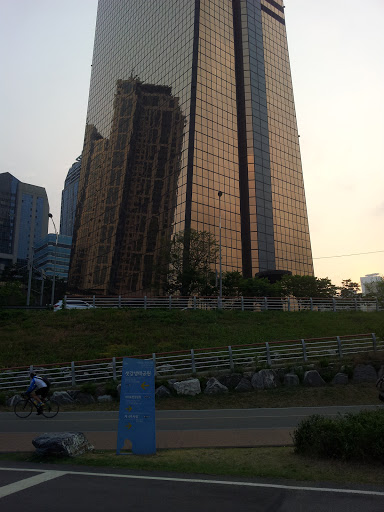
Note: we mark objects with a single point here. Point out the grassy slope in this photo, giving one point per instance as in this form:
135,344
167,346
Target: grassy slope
263,462
46,337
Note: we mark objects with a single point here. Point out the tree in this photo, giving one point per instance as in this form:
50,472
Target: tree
259,287
192,260
307,286
349,289
232,284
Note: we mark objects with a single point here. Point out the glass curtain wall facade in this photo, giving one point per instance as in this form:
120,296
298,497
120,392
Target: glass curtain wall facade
8,197
69,199
53,257
224,97
23,219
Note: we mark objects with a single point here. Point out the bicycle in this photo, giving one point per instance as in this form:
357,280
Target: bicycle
24,407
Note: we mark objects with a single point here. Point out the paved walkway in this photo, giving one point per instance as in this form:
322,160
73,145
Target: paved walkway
19,442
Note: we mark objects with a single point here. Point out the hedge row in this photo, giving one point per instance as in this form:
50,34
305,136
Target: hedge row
358,437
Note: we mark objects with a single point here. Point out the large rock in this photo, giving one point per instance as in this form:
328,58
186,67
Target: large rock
162,392
62,397
80,397
189,387
230,381
291,379
264,379
62,444
214,387
11,401
244,385
364,373
165,369
340,379
312,378
105,398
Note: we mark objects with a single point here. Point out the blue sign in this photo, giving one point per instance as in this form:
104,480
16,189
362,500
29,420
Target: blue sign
137,407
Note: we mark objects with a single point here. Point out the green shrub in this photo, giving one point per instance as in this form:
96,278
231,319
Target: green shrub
3,399
89,387
348,369
324,362
358,437
327,374
111,388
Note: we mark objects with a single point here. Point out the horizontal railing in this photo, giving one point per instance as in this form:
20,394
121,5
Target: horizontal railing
233,303
198,361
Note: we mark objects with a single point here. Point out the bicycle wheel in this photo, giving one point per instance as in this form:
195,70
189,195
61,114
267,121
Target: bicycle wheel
51,408
23,408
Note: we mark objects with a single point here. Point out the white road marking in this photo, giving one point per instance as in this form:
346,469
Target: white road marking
190,480
28,482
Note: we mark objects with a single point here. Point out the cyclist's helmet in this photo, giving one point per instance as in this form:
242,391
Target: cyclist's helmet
32,374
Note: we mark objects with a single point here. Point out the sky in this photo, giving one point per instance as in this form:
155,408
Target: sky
336,51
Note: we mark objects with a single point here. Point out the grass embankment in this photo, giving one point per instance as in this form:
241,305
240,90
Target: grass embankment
38,337
279,462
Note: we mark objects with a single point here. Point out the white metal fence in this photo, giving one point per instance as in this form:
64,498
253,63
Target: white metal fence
234,303
198,361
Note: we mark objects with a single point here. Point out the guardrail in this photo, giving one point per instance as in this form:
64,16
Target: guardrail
198,361
334,304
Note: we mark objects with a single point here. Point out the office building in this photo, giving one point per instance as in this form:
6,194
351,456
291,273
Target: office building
24,212
51,257
226,66
69,199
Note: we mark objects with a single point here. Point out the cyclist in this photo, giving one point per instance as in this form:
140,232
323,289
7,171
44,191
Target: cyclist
38,390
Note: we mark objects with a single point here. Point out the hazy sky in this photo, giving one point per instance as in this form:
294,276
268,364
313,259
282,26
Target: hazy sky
336,51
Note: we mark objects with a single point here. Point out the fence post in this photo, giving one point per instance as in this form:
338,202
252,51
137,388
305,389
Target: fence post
231,365
242,303
154,362
114,368
268,353
65,301
311,302
119,301
374,341
339,347
93,301
145,302
193,361
355,304
170,302
377,304
194,302
289,304
73,373
305,357
31,368
265,304
334,305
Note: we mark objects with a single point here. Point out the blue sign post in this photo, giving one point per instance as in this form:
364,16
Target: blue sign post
137,407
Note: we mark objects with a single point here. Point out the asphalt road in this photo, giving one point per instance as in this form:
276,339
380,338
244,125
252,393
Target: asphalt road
62,488
214,419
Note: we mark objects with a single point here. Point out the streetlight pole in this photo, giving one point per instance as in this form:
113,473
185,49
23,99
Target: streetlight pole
220,269
54,264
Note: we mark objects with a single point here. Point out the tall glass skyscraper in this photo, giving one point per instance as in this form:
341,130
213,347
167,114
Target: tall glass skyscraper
189,98
69,198
24,212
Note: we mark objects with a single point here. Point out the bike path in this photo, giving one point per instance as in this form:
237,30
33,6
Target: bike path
175,429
